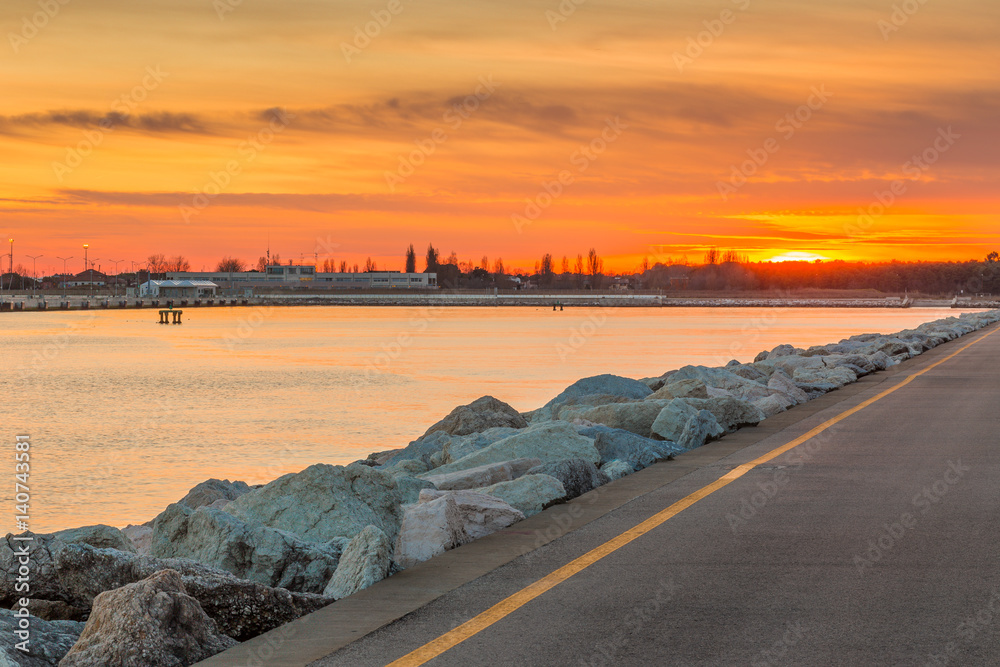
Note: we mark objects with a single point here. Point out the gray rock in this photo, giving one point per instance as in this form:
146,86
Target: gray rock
210,490
577,475
639,452
823,379
483,413
784,350
422,449
250,551
602,385
780,382
100,536
444,520
680,389
365,561
530,494
617,469
731,413
551,441
484,475
459,446
672,419
774,404
323,502
77,573
410,487
637,417
49,641
698,430
721,378
152,623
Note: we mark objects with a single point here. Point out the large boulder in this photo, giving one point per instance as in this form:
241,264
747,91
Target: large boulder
599,388
688,427
773,404
150,623
722,378
730,412
617,469
100,536
323,502
616,444
47,642
365,561
670,422
819,380
577,475
680,389
530,494
483,413
455,447
443,520
76,573
637,417
211,490
781,383
483,475
250,551
551,441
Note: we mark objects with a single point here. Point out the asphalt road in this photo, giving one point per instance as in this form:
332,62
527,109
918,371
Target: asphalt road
873,543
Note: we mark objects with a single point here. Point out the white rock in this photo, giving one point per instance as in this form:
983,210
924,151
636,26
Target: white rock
365,561
548,441
449,520
530,494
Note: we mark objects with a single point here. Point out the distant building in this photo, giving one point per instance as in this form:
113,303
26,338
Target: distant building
88,278
182,289
306,276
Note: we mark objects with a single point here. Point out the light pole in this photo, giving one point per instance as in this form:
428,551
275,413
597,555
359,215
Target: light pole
86,265
92,262
11,269
116,262
64,259
34,276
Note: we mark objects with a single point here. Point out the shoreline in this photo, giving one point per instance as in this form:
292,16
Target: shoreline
481,468
25,304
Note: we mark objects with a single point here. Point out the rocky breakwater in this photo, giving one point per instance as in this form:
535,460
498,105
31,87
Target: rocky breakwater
229,561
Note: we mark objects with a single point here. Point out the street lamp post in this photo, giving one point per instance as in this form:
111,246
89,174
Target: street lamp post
34,274
11,268
86,265
116,262
64,259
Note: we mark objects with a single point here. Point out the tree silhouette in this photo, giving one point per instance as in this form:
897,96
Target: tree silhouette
431,259
411,260
231,265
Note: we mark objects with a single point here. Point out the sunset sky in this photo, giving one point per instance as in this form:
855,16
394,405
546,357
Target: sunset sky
212,128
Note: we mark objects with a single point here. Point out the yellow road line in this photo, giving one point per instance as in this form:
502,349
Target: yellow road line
505,607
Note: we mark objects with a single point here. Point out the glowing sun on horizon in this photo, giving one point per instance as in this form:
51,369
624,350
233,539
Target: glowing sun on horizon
796,256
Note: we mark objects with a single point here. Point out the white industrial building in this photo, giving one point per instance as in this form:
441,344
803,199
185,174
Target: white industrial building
306,276
181,289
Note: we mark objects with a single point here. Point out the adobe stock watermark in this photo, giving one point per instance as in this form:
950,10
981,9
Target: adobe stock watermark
22,554
893,533
713,30
562,12
581,158
32,25
364,34
899,17
968,629
248,326
633,624
579,335
914,169
453,118
248,150
787,125
120,109
223,7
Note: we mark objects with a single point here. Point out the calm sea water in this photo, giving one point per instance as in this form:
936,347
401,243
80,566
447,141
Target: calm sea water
125,415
